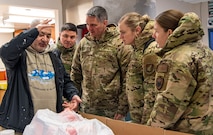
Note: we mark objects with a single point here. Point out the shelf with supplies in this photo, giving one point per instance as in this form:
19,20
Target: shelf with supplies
3,87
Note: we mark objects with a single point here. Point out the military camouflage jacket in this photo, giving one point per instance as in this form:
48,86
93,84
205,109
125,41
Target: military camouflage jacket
184,81
66,55
135,79
99,69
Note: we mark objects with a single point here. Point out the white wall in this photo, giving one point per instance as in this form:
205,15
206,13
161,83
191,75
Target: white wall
5,37
44,4
75,10
201,9
55,4
117,8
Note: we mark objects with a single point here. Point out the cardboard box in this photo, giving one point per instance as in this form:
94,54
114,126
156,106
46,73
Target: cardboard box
127,128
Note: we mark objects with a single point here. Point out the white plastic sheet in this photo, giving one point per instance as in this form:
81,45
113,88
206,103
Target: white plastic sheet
46,122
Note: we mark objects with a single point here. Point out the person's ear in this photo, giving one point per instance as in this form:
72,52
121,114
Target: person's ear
59,36
138,30
170,31
105,22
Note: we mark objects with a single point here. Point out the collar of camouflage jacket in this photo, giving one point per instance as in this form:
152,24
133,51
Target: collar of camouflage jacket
111,31
62,49
144,36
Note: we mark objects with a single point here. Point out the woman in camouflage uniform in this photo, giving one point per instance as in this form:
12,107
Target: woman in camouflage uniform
136,30
184,76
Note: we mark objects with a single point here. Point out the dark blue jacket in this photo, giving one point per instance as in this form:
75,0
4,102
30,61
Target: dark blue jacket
16,110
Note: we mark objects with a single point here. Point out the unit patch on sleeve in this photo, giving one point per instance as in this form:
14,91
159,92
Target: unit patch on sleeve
149,69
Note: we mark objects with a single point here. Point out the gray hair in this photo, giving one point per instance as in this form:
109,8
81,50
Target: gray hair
35,22
99,12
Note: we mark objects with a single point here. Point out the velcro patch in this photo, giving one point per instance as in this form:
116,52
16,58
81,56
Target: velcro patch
162,68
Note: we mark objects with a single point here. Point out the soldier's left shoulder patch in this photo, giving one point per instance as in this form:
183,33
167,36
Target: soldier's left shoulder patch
149,69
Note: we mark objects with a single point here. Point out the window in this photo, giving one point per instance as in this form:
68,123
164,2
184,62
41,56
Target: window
210,31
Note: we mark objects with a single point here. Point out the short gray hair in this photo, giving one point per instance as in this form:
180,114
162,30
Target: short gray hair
99,12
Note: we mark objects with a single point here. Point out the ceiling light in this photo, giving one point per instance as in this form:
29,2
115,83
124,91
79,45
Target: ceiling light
19,19
22,19
7,30
31,12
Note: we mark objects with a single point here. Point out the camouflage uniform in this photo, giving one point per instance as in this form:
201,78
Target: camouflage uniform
99,68
134,79
66,55
184,81
150,62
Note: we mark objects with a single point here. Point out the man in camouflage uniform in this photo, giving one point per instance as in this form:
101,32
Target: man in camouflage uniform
99,67
184,80
66,44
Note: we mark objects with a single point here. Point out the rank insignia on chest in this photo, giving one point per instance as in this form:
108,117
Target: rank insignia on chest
159,82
